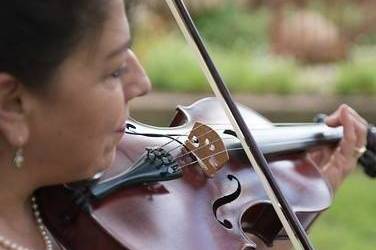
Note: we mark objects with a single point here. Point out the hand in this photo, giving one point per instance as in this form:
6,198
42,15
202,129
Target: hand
345,156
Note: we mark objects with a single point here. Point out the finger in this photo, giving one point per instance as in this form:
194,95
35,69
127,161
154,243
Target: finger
344,164
358,117
333,120
349,139
360,128
338,168
361,133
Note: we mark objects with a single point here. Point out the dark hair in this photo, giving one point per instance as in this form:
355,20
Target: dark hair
37,35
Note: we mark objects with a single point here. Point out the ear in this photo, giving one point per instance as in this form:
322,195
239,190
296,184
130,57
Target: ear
13,122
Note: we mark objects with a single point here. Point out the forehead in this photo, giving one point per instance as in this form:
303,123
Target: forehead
111,34
88,60
115,30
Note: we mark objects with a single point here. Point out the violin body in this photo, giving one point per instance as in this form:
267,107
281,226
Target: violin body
228,210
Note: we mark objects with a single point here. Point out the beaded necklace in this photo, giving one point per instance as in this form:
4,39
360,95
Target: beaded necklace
8,244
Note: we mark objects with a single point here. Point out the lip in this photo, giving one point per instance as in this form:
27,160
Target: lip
121,129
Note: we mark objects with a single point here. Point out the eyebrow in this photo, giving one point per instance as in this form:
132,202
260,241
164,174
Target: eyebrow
122,48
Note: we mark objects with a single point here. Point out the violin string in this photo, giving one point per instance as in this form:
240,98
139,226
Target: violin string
297,124
206,133
169,142
181,145
217,129
177,138
198,148
209,156
189,152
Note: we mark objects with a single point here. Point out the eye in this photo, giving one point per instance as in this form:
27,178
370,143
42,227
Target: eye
119,72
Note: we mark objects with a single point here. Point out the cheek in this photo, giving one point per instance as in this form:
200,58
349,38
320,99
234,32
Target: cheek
79,139
99,131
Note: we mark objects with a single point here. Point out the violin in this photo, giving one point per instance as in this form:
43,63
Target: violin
203,183
189,186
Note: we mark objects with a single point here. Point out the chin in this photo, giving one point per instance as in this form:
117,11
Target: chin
90,173
100,164
107,161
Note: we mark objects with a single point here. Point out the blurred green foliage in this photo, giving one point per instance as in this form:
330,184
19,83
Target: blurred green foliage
238,42
349,223
172,67
357,77
234,28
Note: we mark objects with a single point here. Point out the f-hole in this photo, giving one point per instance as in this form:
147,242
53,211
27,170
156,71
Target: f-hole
262,221
225,200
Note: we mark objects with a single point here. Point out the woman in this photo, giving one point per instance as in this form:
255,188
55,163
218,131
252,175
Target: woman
67,74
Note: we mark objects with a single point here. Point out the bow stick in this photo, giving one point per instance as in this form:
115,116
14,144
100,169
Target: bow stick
288,218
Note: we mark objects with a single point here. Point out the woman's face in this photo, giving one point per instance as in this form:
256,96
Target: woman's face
74,129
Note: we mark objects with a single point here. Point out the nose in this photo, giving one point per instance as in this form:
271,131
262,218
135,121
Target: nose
137,82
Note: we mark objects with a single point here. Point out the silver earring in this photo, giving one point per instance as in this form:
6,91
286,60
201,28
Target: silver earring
18,159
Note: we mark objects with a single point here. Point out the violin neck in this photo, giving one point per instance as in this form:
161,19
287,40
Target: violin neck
282,139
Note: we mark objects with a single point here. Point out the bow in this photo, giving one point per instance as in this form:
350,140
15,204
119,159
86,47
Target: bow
289,220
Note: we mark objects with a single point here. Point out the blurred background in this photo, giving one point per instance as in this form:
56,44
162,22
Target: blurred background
288,60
